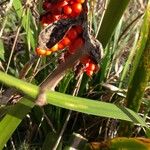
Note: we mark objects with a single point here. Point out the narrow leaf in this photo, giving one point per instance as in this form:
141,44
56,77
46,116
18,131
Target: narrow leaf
25,22
74,103
1,50
12,119
111,18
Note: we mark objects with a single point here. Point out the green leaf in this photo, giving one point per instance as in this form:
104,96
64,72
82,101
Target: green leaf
129,61
26,18
65,82
9,123
1,50
92,107
111,19
12,119
113,14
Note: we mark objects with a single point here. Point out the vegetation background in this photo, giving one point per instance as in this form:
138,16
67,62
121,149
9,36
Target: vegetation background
114,98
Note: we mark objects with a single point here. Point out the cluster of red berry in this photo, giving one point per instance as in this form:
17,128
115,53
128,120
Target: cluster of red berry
73,40
90,66
60,10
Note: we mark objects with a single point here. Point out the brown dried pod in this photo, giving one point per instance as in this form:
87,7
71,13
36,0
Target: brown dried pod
54,32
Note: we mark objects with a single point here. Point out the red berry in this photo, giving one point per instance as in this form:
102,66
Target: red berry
60,45
50,18
71,49
76,7
63,16
91,66
71,1
72,34
67,10
78,42
61,3
45,20
56,11
56,17
66,41
80,1
78,29
87,64
40,52
75,45
73,14
89,72
48,52
54,48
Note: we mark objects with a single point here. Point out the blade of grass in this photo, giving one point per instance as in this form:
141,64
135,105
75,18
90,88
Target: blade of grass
6,17
65,82
12,119
105,65
129,61
25,22
111,18
110,54
1,50
74,103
